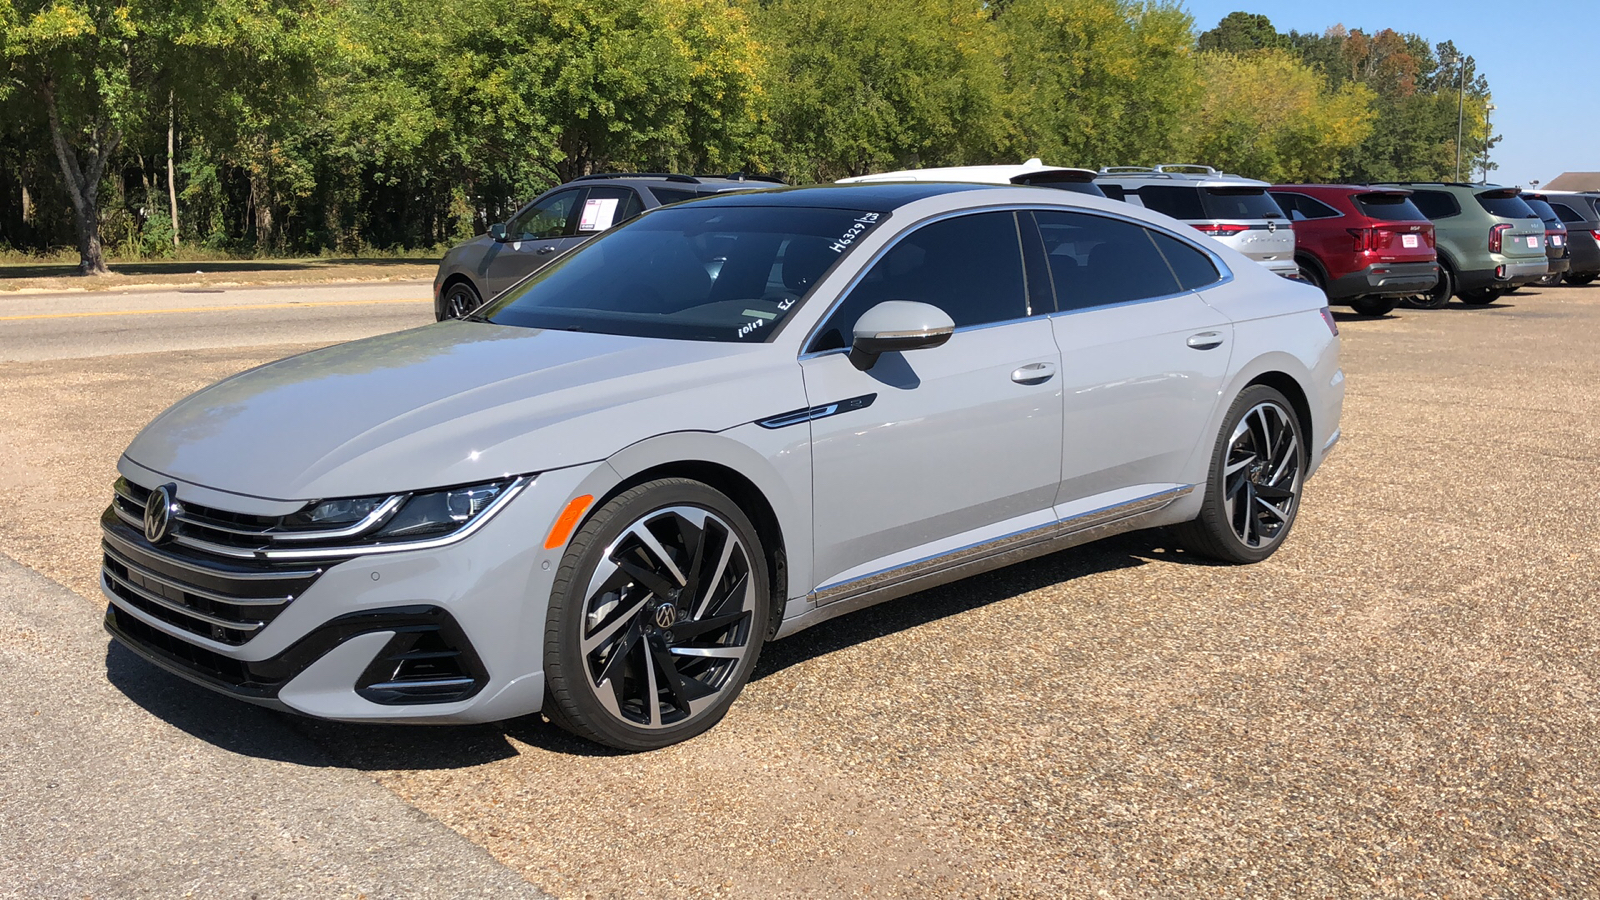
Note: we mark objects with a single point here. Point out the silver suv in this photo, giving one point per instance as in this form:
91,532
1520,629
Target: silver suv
1234,210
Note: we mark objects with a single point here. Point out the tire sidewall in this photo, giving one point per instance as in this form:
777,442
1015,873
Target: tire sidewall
1214,508
446,310
567,684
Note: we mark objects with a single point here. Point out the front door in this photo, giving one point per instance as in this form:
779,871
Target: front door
931,450
535,236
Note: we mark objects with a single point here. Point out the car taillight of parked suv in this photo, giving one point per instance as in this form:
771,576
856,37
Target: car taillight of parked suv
1364,246
1580,213
1228,208
1489,241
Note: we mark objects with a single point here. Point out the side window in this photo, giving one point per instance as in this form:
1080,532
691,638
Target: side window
1114,191
1299,207
1096,261
608,206
1435,204
1287,203
970,267
1194,269
1177,202
548,218
669,196
1566,213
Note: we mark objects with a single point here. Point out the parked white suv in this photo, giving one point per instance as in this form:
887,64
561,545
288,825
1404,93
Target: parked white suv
1234,210
1033,172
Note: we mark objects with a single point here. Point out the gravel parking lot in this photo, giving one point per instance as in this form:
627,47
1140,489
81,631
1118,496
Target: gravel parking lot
1403,702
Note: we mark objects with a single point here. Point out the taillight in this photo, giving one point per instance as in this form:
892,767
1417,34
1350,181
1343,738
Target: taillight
1596,235
1365,239
1494,237
1327,317
1221,230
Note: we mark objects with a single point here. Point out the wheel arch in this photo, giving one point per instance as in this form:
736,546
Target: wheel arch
1303,256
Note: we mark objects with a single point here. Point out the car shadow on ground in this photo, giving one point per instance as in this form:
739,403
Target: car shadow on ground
58,270
255,731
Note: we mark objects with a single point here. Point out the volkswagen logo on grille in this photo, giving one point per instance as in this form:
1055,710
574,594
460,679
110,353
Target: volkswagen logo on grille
159,511
666,614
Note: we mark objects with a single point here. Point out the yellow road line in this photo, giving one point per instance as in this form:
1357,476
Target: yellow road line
200,309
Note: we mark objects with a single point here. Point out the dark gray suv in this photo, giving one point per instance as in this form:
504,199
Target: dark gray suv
558,220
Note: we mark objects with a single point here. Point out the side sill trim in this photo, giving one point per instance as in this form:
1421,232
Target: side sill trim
976,558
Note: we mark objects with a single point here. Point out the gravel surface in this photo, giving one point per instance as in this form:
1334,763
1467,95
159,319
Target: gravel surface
1402,702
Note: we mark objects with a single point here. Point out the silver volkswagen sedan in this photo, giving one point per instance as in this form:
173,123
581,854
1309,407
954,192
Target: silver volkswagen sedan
711,427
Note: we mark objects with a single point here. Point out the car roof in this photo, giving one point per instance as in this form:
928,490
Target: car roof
1177,173
1340,188
735,181
884,196
992,174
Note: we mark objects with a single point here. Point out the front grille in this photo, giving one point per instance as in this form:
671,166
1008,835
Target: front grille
224,600
215,526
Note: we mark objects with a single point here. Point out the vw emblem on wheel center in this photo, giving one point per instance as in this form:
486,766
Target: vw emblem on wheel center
159,511
666,614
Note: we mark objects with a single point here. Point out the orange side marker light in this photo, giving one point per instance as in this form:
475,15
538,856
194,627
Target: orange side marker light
567,521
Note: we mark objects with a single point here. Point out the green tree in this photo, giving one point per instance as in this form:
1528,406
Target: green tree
1241,32
1099,82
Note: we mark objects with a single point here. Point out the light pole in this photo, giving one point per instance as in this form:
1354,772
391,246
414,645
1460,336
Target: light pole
1461,98
1488,134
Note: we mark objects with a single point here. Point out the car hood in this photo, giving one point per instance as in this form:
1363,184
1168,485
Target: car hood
453,403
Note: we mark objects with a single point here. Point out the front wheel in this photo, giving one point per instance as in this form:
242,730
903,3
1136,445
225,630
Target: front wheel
1253,491
459,299
656,617
1374,306
1482,296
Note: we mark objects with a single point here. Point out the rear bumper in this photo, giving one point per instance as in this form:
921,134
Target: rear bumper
1385,279
1560,266
1510,273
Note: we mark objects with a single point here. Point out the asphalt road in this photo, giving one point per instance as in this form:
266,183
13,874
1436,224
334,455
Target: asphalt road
37,327
1403,702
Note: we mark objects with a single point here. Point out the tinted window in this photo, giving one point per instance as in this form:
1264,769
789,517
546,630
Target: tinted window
1240,203
1390,207
1299,207
1194,269
546,218
1566,213
1069,182
1435,204
970,267
666,196
1177,202
604,207
1542,210
1114,191
1506,206
694,272
1095,260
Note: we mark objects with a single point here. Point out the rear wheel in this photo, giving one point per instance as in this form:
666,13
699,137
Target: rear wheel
1441,293
1310,274
1482,296
1374,306
460,298
656,617
1253,492
1581,280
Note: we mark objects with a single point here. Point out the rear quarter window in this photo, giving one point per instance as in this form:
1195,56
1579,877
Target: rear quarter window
1391,207
1566,213
1506,207
669,196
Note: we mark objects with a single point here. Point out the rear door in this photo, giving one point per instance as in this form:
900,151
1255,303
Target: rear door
1143,357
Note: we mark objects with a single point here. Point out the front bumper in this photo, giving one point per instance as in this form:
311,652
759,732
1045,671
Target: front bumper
1385,280
451,634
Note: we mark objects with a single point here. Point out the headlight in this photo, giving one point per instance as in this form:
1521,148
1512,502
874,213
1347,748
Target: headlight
392,516
440,512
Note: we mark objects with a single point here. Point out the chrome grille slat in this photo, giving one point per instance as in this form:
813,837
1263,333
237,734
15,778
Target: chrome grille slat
169,559
189,519
174,606
213,596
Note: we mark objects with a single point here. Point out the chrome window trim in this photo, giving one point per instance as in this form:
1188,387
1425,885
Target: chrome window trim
1084,309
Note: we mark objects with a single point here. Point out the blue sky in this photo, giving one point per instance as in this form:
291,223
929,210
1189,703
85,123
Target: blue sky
1541,65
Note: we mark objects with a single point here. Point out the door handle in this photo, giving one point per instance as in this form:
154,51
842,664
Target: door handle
549,248
1034,373
1206,340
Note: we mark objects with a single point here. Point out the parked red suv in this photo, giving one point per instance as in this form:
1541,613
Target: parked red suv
1365,246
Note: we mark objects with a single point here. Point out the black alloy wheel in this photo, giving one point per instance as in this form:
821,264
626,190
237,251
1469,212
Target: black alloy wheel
460,299
1440,296
1482,296
657,617
1257,473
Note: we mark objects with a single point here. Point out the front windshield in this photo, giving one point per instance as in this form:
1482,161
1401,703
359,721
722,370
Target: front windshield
693,272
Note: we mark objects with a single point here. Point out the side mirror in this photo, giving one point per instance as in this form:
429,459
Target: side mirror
498,231
895,326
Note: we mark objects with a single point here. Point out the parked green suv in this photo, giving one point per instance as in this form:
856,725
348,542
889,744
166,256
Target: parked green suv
1489,240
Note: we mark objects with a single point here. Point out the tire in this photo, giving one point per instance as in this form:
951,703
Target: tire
1580,280
1312,275
610,637
1260,417
459,299
1374,306
1440,296
1482,296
